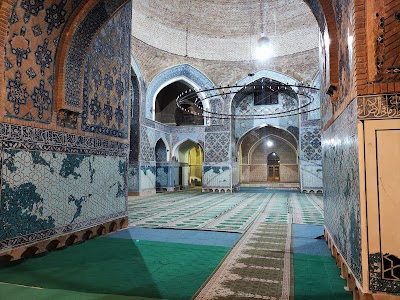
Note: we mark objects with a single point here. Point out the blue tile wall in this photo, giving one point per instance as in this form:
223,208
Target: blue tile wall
217,177
48,193
311,143
133,177
167,175
106,94
217,147
147,143
80,43
162,176
147,177
341,186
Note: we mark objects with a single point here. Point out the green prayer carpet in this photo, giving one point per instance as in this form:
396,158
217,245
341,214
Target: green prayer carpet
316,277
112,266
15,292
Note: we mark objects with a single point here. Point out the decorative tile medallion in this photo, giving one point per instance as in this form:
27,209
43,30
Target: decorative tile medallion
29,54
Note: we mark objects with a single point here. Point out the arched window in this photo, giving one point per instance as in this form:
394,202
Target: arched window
273,159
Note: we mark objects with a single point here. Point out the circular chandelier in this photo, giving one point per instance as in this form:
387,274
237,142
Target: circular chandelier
191,101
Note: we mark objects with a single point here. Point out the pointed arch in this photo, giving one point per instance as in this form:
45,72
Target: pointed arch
265,73
186,73
162,142
256,144
177,146
240,139
73,47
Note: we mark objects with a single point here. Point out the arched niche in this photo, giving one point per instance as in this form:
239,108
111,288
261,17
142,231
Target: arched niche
273,159
161,150
258,152
191,156
264,100
76,39
263,93
254,148
273,164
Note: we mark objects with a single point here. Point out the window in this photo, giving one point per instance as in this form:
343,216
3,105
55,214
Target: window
265,96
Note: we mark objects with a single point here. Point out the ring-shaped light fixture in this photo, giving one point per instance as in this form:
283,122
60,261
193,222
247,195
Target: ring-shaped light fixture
191,97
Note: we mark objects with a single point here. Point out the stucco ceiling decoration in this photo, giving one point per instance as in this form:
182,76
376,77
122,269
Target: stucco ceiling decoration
226,30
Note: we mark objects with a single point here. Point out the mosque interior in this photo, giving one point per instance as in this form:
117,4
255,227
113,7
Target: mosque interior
170,149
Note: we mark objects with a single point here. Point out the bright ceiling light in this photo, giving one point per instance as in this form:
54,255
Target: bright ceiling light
270,143
264,48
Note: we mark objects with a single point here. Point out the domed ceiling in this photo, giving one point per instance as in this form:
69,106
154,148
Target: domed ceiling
225,30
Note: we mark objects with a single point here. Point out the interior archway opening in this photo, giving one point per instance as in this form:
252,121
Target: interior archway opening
167,112
268,155
190,156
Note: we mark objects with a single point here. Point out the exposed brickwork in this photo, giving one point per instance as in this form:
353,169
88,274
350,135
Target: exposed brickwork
376,29
224,30
334,44
152,61
360,49
391,42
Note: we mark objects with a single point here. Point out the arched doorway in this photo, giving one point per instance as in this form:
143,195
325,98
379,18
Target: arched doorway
166,110
268,155
273,163
190,156
195,161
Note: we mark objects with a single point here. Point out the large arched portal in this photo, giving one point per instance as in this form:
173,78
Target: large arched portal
190,155
268,154
166,110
